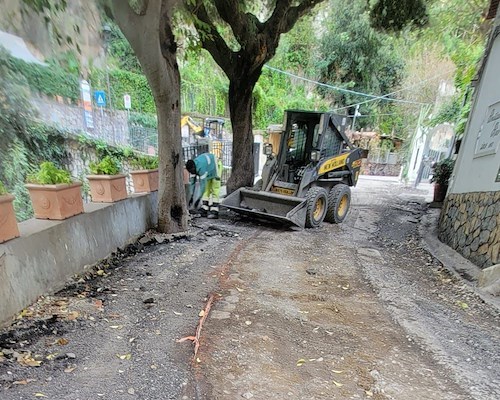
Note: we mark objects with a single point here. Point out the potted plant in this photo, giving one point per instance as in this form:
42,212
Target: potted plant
441,174
145,175
107,184
54,195
8,223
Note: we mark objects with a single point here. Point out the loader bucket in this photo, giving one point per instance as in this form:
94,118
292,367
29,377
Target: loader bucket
269,206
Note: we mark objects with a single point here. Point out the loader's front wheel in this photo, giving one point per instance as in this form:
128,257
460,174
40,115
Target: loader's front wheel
317,204
339,201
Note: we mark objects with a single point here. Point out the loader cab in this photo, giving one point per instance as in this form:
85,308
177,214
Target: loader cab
308,137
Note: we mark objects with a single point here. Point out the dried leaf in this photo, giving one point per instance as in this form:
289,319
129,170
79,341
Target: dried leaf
116,326
69,369
338,384
124,356
369,393
337,371
202,313
52,356
239,290
101,272
301,362
62,341
39,395
73,315
177,313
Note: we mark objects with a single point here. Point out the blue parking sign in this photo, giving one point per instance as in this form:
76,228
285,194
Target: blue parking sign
100,98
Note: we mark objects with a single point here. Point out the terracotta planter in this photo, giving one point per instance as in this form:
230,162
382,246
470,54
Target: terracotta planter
8,223
145,180
107,188
440,192
56,201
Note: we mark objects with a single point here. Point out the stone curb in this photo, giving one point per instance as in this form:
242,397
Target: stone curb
455,263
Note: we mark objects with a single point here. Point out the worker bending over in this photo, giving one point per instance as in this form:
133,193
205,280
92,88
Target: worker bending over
208,169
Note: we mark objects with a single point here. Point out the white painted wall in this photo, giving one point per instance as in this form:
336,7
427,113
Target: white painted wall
475,172
416,156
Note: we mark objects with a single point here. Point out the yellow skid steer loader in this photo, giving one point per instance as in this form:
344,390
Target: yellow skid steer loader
308,180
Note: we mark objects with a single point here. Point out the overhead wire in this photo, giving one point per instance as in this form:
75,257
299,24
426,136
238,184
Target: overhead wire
337,88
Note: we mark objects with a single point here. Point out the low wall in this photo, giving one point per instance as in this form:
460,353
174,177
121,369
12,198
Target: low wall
370,168
49,253
470,224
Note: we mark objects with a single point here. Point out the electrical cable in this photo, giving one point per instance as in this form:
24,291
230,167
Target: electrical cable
373,97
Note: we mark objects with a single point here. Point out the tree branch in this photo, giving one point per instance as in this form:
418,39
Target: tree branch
211,39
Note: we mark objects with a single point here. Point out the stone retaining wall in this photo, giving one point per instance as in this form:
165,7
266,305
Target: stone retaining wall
470,224
370,168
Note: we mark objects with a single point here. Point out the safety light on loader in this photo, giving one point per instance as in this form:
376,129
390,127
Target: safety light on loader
315,155
268,149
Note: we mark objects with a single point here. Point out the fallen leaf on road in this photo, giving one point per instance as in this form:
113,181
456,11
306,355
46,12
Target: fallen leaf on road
73,315
52,356
98,303
338,384
24,381
69,369
337,371
239,290
124,356
202,313
29,361
116,326
198,360
131,340
62,341
39,395
369,393
101,272
345,287
248,322
463,305
131,391
177,313
301,362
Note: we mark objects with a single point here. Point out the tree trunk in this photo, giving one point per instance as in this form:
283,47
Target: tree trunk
240,107
150,35
172,209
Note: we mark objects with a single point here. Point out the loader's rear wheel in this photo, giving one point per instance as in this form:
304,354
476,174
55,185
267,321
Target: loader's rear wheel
317,204
339,201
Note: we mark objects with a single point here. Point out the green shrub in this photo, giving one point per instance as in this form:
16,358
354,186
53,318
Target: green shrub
144,162
442,170
3,190
49,174
107,166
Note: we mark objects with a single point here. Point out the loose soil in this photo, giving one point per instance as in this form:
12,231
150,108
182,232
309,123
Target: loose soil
352,311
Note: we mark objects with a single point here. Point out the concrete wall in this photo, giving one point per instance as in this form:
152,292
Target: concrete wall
49,253
470,218
477,170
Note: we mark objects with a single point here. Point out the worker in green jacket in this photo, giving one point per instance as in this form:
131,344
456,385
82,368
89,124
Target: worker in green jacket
207,168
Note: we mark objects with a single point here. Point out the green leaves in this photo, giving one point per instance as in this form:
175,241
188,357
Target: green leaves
49,174
3,190
107,166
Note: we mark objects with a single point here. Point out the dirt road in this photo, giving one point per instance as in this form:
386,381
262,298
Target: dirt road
357,311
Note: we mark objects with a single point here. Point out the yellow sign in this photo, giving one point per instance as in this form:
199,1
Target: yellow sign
333,163
356,164
280,190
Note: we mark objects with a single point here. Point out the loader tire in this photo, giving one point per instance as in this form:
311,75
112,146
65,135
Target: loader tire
317,204
339,201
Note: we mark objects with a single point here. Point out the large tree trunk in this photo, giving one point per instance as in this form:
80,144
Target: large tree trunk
172,209
150,35
240,107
